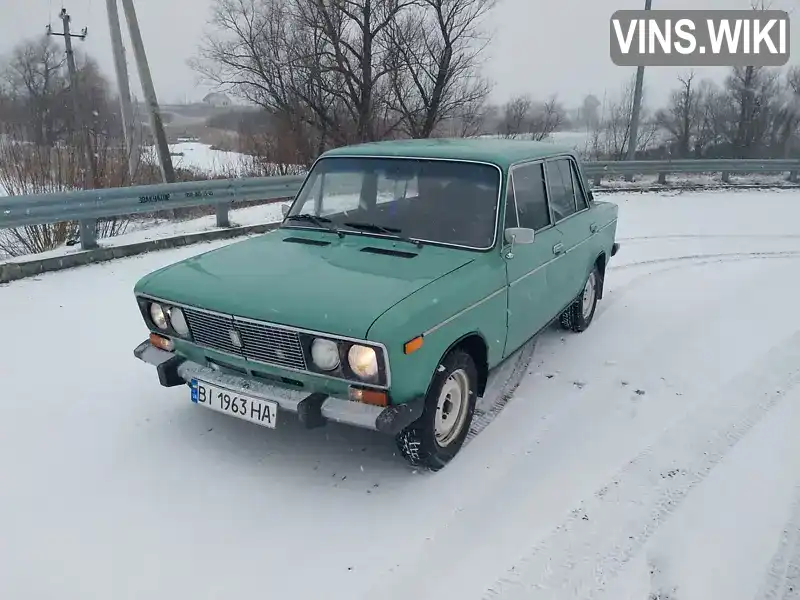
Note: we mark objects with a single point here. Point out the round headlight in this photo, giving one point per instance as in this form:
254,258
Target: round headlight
158,316
325,354
363,362
178,321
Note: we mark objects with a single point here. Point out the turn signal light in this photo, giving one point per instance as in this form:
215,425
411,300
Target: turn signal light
162,342
373,397
413,345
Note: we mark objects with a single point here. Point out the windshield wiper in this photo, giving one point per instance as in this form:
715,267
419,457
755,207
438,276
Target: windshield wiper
392,231
319,221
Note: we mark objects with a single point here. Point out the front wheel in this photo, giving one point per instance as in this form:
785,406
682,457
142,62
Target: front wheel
437,436
580,313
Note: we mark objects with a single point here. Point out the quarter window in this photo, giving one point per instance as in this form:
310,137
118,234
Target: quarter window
531,196
562,191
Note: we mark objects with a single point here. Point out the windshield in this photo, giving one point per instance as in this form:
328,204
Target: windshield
437,201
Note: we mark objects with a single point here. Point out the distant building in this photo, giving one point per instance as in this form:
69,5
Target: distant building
217,99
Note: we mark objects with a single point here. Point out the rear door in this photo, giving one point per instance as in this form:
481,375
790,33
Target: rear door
530,303
572,218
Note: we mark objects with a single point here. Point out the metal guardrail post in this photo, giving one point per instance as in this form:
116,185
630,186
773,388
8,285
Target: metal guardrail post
792,176
726,177
88,234
662,178
223,218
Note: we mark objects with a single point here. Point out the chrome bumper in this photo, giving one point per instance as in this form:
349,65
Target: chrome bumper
313,409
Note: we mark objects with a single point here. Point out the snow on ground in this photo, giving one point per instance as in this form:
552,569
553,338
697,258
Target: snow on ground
202,157
655,455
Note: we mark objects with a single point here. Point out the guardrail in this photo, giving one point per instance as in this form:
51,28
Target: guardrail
86,206
597,170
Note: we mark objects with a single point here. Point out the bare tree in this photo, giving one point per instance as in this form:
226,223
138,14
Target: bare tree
435,57
750,91
682,117
524,117
609,139
35,80
343,71
787,114
516,114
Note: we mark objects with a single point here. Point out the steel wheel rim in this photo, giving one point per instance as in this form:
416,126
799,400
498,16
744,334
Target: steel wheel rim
451,407
589,292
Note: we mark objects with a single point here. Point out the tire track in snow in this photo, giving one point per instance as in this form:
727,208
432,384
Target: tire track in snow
783,578
673,264
510,377
501,388
710,236
586,551
733,256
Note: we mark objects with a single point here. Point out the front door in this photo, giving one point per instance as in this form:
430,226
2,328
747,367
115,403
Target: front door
530,304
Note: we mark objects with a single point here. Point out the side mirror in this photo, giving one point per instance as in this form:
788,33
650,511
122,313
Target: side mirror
284,209
519,235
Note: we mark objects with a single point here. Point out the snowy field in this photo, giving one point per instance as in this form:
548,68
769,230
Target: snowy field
654,456
202,157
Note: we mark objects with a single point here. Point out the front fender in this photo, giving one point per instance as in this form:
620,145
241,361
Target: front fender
470,300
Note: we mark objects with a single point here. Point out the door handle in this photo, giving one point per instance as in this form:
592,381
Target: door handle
593,227
558,248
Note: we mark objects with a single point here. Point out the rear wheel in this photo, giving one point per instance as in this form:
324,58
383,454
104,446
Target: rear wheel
580,313
437,436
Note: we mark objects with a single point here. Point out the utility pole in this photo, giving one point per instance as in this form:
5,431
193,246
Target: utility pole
123,83
87,228
156,124
633,138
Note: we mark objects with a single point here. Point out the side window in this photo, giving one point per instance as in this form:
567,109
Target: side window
580,198
334,193
529,191
562,192
391,190
511,208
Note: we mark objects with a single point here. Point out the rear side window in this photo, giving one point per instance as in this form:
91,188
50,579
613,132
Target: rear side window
562,190
531,196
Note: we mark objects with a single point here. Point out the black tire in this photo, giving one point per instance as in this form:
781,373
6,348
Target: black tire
418,443
573,318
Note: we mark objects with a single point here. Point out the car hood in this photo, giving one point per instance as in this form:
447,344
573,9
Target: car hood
321,282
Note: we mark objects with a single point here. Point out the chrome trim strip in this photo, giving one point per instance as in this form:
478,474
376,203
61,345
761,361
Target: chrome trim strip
378,345
432,242
536,270
513,283
563,254
463,311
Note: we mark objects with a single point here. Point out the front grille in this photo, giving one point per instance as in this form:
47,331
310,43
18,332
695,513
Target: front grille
212,331
260,341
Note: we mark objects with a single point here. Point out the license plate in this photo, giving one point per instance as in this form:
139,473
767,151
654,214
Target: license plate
255,410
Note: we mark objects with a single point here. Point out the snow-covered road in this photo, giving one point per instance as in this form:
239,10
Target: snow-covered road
656,455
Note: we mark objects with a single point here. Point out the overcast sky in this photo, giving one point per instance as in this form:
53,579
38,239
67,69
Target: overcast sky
539,47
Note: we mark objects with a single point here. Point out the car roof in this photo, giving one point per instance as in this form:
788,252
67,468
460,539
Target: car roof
498,151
